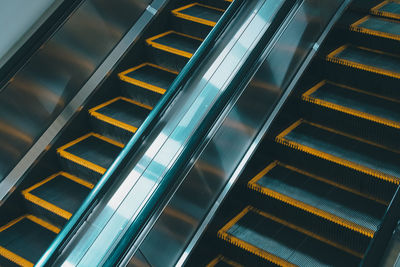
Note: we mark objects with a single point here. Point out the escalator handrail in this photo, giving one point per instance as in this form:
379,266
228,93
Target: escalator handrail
73,224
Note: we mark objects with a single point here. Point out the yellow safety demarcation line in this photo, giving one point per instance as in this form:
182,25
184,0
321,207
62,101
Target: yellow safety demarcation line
376,10
120,124
123,76
178,14
356,27
14,257
223,234
303,206
47,205
90,165
307,97
169,49
281,139
332,57
221,258
229,1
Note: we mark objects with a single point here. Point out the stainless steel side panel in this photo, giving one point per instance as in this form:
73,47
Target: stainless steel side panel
232,142
40,94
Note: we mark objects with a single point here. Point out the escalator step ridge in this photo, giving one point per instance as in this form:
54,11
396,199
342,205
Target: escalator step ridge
63,151
363,58
387,8
13,228
157,78
382,170
221,260
380,27
279,241
223,234
199,13
48,204
356,102
176,43
285,197
133,118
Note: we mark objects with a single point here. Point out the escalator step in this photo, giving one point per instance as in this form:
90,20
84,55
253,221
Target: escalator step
176,43
343,149
281,242
378,27
89,156
367,59
388,8
61,194
314,195
119,118
221,261
149,76
24,240
355,102
199,13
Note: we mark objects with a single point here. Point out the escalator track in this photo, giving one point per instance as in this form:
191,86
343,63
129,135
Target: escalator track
50,203
317,189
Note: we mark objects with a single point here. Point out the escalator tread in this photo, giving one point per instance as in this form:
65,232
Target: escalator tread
388,8
26,231
378,27
346,150
295,187
355,102
199,13
280,242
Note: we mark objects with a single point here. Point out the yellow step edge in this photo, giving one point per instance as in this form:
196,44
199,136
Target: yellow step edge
358,167
177,13
124,77
14,257
93,112
221,258
332,57
151,41
303,206
375,10
223,234
90,165
357,28
308,98
47,205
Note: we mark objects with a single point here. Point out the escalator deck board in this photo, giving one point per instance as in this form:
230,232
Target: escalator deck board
367,59
149,76
378,27
355,102
221,261
26,232
342,149
93,151
388,8
199,13
311,194
177,43
280,242
122,112
61,193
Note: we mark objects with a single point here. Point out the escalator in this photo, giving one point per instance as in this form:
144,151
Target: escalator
316,190
58,184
